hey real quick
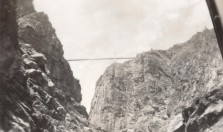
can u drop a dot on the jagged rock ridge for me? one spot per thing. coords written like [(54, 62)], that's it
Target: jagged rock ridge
[(38, 92), (153, 92)]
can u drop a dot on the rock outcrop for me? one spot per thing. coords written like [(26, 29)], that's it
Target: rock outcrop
[(172, 90), (38, 92)]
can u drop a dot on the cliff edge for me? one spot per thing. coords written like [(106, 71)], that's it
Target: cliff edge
[(38, 90), (178, 90)]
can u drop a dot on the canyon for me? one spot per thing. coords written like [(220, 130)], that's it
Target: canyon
[(174, 90)]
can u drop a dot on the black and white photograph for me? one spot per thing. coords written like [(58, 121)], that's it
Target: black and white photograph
[(111, 65)]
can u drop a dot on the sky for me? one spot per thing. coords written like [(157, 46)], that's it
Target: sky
[(119, 28)]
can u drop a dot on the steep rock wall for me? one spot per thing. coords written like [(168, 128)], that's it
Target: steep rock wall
[(152, 90), (38, 92)]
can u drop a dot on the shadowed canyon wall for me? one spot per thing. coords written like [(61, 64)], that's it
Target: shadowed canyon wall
[(38, 92)]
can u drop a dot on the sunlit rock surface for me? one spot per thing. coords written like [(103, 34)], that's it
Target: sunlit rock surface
[(153, 92)]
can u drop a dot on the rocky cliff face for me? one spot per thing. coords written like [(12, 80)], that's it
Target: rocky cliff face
[(38, 92), (178, 89)]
